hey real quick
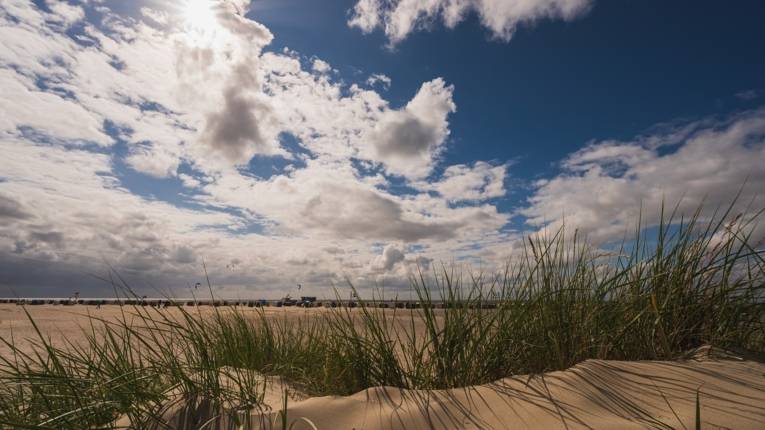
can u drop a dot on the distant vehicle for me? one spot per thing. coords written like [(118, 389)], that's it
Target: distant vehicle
[(307, 301), (287, 301)]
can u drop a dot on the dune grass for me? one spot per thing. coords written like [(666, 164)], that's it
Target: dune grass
[(560, 302)]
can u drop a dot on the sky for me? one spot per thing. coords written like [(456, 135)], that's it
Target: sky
[(278, 143)]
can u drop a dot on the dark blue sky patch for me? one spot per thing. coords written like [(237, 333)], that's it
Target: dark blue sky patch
[(267, 166), (78, 33), (49, 85), (118, 133), (398, 186), (151, 106), (40, 137)]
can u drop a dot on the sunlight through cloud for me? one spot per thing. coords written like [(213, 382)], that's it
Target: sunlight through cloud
[(199, 18)]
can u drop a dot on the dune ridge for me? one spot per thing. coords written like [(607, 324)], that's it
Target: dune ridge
[(594, 394)]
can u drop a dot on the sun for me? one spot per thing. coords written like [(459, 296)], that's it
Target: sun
[(199, 16)]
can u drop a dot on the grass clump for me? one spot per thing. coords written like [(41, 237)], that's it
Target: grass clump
[(561, 302)]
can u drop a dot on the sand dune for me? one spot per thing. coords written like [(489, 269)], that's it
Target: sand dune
[(592, 394), (595, 394)]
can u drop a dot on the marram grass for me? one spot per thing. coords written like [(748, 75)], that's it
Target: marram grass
[(559, 303)]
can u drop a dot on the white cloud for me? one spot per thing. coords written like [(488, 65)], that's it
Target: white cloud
[(407, 141), (204, 104), (158, 16), (339, 123), (391, 255), (68, 13), (604, 184), (379, 78), (189, 181), (399, 18), (471, 183), (153, 160), (320, 66), (366, 15), (329, 200), (24, 106)]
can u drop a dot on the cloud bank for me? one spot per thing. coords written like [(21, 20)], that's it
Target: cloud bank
[(140, 141), (702, 163)]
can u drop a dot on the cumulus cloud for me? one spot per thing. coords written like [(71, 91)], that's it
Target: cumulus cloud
[(349, 212), (83, 216), (480, 181), (408, 140), (337, 122), (366, 15), (146, 92), (241, 126), (235, 130), (604, 184), (331, 201), (391, 255), (399, 18), (320, 66)]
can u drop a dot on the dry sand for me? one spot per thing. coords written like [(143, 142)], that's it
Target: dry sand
[(66, 323), (593, 394)]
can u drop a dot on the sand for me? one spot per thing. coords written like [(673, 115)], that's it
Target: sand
[(61, 324), (594, 394)]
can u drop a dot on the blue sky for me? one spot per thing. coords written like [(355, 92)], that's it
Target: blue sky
[(613, 73), (286, 142)]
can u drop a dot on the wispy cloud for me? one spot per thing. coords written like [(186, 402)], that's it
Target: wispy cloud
[(748, 94), (399, 18)]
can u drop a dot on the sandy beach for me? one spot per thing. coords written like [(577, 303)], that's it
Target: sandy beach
[(61, 324), (592, 394)]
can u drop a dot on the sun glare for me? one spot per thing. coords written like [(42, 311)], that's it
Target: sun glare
[(199, 15)]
